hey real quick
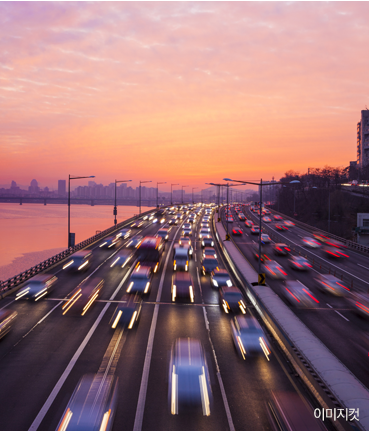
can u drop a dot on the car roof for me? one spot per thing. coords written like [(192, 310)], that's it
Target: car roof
[(182, 277), (230, 289)]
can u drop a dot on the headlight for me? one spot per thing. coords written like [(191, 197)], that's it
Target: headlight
[(215, 283), (229, 283)]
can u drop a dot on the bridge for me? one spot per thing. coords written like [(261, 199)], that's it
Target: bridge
[(46, 353)]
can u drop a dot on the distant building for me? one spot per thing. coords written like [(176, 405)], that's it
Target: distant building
[(363, 140), (62, 188), (33, 188)]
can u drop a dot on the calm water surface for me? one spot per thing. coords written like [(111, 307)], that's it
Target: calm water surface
[(31, 233)]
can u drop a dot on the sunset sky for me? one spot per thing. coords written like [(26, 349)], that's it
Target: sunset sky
[(183, 92)]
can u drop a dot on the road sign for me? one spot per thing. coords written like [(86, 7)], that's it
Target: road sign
[(261, 278)]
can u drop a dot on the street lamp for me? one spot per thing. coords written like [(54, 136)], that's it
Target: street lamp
[(182, 191), (115, 199), (157, 193), (171, 192), (192, 194), (148, 181), (69, 233), (261, 184)]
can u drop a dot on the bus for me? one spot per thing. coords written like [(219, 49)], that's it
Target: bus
[(150, 252)]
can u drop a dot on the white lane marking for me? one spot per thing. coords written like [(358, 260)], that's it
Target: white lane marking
[(341, 269), (195, 258), (146, 369), (206, 319), (40, 416), (342, 316), (329, 306), (7, 304), (363, 266), (198, 280)]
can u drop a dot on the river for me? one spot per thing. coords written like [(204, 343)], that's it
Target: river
[(31, 233)]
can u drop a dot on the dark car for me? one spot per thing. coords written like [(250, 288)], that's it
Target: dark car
[(281, 249), (248, 337), (249, 223), (37, 287), (110, 241), (140, 279), (332, 285), (220, 277), (84, 296), (181, 256), (135, 241), (189, 386), (209, 251), (255, 230), (277, 217), (80, 261), (124, 233), (237, 231), (208, 264), (299, 295), (163, 233), (334, 252), (299, 263), (93, 404), (127, 312), (122, 258), (263, 257), (207, 241), (182, 287), (231, 299)]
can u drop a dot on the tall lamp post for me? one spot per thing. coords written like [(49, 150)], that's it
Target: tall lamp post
[(182, 191), (192, 194), (294, 197), (141, 182), (171, 192), (261, 184), (115, 199), (157, 193), (69, 233)]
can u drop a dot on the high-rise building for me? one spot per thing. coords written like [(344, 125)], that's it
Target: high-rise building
[(62, 188), (33, 188), (363, 140)]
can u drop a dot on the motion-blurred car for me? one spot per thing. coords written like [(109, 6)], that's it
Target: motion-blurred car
[(209, 251), (135, 241), (110, 242), (263, 257), (249, 223), (274, 270), (277, 217), (137, 224), (189, 382), (332, 285), (181, 256), (208, 264), (124, 233), (163, 233), (311, 242), (281, 249), (241, 217), (182, 287), (127, 312), (299, 295), (229, 219), (334, 251), (288, 223), (204, 232), (265, 239), (186, 232), (7, 319), (205, 225), (79, 261), (360, 303), (186, 226), (173, 222), (255, 230), (248, 337), (37, 287), (231, 299), (266, 219), (237, 231), (220, 277), (140, 279), (122, 258), (84, 296), (207, 241), (299, 263), (281, 227), (92, 405)]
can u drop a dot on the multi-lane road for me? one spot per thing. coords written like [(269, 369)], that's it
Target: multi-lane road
[(46, 353), (333, 321)]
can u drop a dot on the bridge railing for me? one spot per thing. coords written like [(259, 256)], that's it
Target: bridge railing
[(27, 274), (350, 244)]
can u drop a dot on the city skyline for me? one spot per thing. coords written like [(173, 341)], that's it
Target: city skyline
[(156, 92)]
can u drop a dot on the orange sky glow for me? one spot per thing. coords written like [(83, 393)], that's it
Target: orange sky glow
[(182, 92)]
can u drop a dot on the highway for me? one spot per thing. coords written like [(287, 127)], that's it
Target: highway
[(46, 353), (333, 321)]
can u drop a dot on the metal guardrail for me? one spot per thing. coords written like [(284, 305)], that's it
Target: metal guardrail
[(22, 277), (350, 244)]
